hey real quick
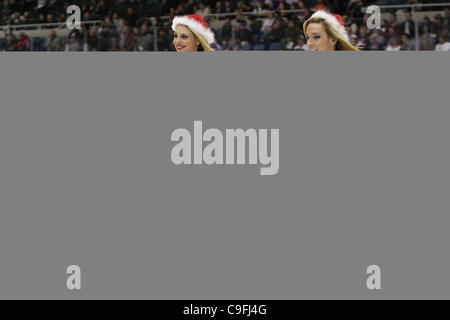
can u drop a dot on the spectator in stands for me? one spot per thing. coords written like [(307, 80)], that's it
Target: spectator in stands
[(144, 39), (394, 45), (292, 31), (118, 23), (244, 35), (384, 27), (407, 44), (274, 36), (11, 42), (50, 18), (228, 9), (287, 43), (216, 46), (202, 9), (379, 38), (363, 36), (355, 11), (87, 16), (23, 44), (267, 24), (218, 9), (281, 8), (101, 10), (354, 40), (373, 43), (255, 27), (446, 23), (243, 6), (258, 7), (301, 45), (131, 18), (425, 27), (240, 17), (231, 45), (407, 27), (108, 36), (390, 35), (52, 42), (42, 19), (93, 41), (227, 29), (443, 44), (392, 19), (425, 44), (320, 5), (93, 13), (125, 39), (74, 43), (62, 18), (179, 11), (437, 26), (189, 7), (62, 44)]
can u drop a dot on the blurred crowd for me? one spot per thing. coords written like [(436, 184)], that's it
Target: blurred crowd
[(144, 25)]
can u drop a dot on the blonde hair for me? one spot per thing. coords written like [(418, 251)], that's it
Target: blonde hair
[(205, 45), (341, 43)]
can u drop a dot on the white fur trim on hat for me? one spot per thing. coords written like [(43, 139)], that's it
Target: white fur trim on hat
[(194, 25), (334, 23)]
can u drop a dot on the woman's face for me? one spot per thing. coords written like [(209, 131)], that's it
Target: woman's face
[(184, 40), (317, 38)]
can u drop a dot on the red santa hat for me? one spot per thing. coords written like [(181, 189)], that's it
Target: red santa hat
[(335, 21), (195, 23)]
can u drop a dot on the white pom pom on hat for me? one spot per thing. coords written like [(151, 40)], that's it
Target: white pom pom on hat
[(334, 20), (196, 23)]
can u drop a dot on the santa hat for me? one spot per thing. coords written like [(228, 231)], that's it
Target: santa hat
[(334, 20), (196, 24)]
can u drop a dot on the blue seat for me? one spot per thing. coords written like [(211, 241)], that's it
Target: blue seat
[(247, 47), (256, 38), (218, 33), (258, 47), (275, 46), (38, 43)]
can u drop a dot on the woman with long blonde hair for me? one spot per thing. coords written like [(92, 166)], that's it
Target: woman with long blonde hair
[(191, 33), (326, 32)]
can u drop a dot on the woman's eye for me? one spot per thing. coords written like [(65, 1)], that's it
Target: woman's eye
[(316, 37)]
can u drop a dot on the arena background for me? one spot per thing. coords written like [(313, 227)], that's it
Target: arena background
[(144, 25)]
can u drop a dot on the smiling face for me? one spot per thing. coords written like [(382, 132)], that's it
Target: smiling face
[(184, 40), (317, 38)]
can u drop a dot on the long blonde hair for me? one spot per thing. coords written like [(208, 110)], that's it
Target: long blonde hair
[(205, 45), (341, 43)]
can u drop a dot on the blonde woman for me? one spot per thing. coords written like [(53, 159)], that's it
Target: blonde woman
[(191, 33), (326, 32)]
